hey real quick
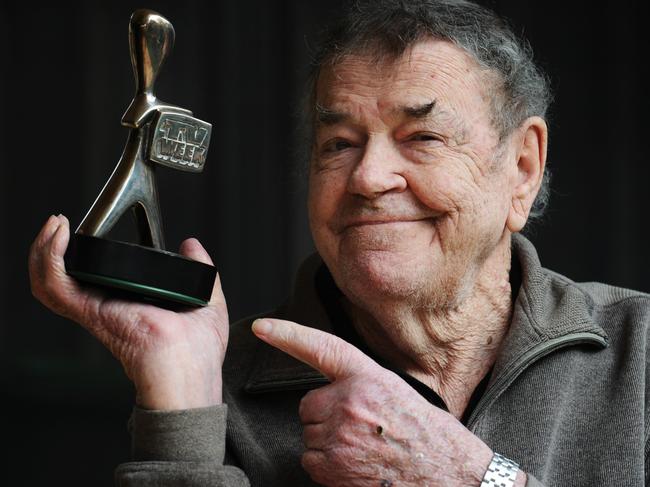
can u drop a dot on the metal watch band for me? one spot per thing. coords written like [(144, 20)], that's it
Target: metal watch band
[(501, 472)]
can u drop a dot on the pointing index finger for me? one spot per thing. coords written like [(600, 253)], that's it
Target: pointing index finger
[(327, 353)]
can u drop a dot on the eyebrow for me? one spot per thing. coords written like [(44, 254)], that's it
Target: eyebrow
[(418, 111), (455, 124), (327, 116)]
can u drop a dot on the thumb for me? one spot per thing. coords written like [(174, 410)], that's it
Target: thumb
[(327, 353), (192, 249)]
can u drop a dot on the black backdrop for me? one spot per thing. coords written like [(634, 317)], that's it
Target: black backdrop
[(65, 81)]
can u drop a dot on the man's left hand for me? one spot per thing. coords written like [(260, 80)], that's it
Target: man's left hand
[(369, 427)]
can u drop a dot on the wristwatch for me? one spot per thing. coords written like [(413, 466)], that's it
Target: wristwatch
[(500, 473)]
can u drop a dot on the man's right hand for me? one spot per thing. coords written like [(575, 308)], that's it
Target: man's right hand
[(173, 358)]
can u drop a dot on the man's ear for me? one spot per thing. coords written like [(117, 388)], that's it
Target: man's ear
[(530, 154)]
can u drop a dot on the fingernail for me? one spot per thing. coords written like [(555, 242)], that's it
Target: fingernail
[(262, 327)]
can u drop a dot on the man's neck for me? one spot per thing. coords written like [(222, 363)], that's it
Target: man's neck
[(449, 350)]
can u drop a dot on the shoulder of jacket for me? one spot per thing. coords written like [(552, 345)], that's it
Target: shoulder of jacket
[(601, 294)]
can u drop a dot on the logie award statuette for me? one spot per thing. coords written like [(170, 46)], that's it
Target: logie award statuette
[(160, 133)]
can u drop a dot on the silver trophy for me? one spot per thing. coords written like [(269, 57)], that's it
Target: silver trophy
[(160, 133)]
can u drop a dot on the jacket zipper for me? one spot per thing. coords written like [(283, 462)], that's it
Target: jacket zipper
[(525, 361)]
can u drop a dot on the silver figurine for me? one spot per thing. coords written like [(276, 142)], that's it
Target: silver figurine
[(160, 133)]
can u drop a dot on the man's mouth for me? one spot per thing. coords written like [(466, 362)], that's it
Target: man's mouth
[(359, 223), (375, 221)]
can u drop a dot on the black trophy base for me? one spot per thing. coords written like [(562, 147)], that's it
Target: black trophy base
[(150, 273)]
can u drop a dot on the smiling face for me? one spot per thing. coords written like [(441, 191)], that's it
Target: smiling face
[(410, 191)]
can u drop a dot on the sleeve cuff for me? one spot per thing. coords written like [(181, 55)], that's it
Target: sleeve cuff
[(190, 435)]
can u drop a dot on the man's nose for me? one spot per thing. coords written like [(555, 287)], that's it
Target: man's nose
[(378, 171)]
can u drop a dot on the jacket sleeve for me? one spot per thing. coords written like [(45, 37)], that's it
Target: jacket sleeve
[(171, 448)]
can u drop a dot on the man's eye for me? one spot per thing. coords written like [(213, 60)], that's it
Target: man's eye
[(425, 137), (337, 145)]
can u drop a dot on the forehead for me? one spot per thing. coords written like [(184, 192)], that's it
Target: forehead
[(430, 70)]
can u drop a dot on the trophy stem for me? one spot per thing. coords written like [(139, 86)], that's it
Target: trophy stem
[(132, 185)]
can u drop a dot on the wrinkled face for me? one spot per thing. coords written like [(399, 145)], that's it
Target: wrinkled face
[(408, 194)]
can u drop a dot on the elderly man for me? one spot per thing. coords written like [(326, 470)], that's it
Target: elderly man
[(433, 349)]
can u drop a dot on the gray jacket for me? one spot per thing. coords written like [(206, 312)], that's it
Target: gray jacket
[(566, 398)]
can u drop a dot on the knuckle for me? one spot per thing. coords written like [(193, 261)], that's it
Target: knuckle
[(350, 408), (340, 457), (331, 351), (312, 464), (338, 348), (306, 403), (343, 437), (320, 357)]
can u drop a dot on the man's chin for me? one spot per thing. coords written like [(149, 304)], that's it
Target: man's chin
[(381, 278), (371, 280)]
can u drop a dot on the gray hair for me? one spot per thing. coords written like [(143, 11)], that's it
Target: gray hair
[(387, 28)]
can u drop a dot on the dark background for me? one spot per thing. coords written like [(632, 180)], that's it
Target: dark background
[(65, 81)]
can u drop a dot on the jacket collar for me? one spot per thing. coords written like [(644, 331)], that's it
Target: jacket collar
[(276, 370), (548, 307)]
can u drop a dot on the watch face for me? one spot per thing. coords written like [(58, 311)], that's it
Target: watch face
[(180, 141)]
